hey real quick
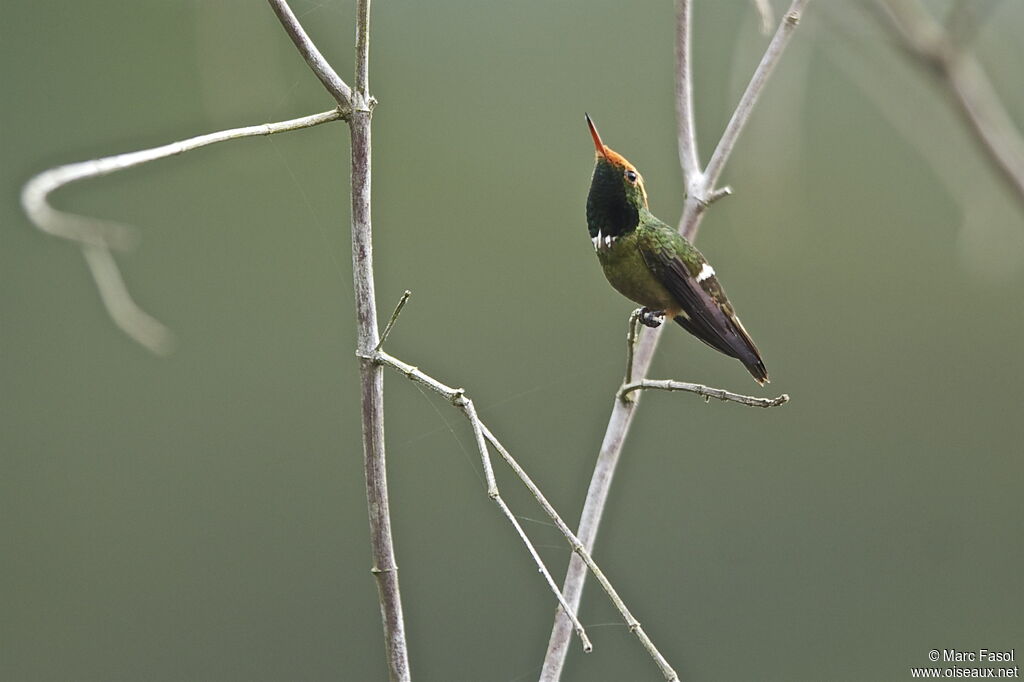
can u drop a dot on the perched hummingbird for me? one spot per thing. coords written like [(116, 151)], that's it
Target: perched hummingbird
[(650, 263)]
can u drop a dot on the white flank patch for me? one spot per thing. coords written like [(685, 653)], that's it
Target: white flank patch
[(596, 240), (705, 272), (608, 240)]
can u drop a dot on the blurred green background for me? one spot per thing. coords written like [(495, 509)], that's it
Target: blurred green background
[(202, 517)]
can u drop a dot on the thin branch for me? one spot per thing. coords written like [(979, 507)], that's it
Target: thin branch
[(959, 71), (103, 233), (764, 9), (581, 551), (363, 48), (139, 325), (458, 398), (632, 335), (468, 409), (688, 223), (338, 88), (687, 130), (97, 236), (700, 389), (700, 192), (385, 568)]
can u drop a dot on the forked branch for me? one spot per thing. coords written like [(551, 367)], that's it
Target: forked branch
[(484, 436)]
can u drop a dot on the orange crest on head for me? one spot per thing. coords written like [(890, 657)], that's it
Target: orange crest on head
[(608, 153), (616, 159)]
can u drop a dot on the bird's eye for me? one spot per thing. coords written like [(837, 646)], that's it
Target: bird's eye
[(631, 175)]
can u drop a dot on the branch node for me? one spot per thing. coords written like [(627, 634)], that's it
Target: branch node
[(377, 571), (373, 357), (363, 104)]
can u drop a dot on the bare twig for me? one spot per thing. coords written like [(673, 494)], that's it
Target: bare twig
[(468, 409), (632, 335), (764, 9), (701, 198), (457, 397), (394, 318), (688, 157), (338, 88), (97, 237), (102, 233), (925, 39), (582, 552), (702, 390), (700, 192)]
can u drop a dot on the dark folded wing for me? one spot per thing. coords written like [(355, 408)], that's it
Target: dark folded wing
[(707, 313)]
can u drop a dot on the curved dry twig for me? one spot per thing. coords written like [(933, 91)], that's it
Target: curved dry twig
[(338, 88), (97, 237)]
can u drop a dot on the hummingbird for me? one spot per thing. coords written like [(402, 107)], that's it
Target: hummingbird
[(650, 263)]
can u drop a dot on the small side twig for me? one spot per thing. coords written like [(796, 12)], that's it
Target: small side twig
[(394, 317), (700, 389)]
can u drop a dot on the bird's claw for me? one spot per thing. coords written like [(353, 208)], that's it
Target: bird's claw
[(651, 318)]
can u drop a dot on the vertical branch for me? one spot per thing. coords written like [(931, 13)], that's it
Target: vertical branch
[(688, 158), (384, 568), (701, 192), (363, 47)]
